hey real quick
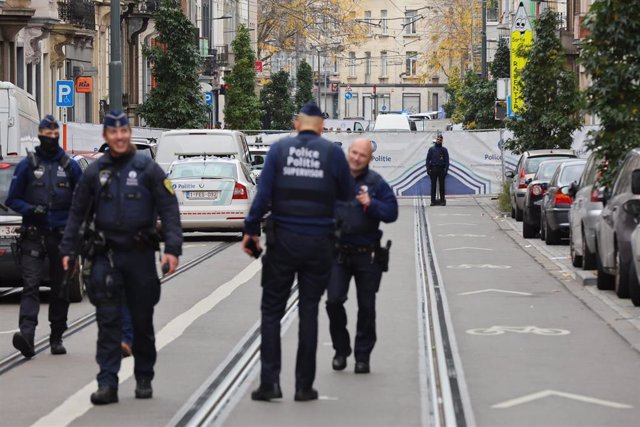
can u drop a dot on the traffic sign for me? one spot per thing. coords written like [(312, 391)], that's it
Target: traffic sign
[(208, 98), (335, 87), (348, 96), (348, 88), (521, 41), (258, 66), (64, 93), (383, 108)]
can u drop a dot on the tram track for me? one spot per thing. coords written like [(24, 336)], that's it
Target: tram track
[(16, 359), (11, 291)]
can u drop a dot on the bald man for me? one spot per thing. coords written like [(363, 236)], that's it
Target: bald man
[(359, 256)]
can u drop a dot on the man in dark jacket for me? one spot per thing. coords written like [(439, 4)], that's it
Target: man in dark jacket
[(41, 190), (437, 169)]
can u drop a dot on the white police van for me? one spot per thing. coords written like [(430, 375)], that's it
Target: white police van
[(19, 120)]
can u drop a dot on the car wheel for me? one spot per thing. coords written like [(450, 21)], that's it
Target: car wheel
[(552, 237), (634, 285), (604, 281), (76, 286), (576, 260), (588, 257), (513, 212), (519, 214), (529, 231), (621, 284)]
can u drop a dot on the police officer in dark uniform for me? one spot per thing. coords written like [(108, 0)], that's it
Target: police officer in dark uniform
[(437, 168), (127, 192), (360, 256), (41, 190), (303, 176)]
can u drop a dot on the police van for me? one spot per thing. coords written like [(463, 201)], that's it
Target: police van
[(214, 142), (19, 119)]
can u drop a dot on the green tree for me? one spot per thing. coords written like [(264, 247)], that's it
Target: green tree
[(277, 108), (453, 89), (176, 101), (304, 76), (242, 106), (552, 101), (478, 107), (501, 65), (611, 56)]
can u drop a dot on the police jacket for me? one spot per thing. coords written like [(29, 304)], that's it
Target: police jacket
[(46, 180), (127, 194), (302, 178), (437, 156), (359, 225)]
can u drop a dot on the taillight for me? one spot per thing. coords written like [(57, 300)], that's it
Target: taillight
[(562, 199), (240, 191), (595, 195), (521, 181), (2, 252), (5, 165), (537, 190)]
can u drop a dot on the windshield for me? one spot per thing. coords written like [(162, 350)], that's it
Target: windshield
[(204, 170), (570, 173), (6, 173), (257, 156), (531, 166), (546, 171)]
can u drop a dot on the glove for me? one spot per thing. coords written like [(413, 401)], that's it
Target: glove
[(429, 172), (39, 210)]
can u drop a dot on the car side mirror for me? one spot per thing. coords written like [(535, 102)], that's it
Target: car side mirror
[(573, 189), (632, 207), (529, 181), (510, 174), (635, 181), (603, 195), (258, 161)]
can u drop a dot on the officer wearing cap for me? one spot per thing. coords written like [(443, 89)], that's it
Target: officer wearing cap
[(302, 178), (41, 190), (437, 164), (359, 256), (127, 191)]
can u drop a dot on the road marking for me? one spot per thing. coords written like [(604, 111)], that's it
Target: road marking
[(500, 330), (78, 404), (470, 224), (327, 398), (452, 214), (470, 248), (496, 290), (193, 246), (12, 331), (462, 235), (547, 393), (470, 266)]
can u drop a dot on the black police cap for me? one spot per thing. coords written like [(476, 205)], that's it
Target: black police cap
[(115, 119), (311, 109), (49, 122)]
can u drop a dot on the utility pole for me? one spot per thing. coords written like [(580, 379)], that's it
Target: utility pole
[(485, 73), (115, 65), (318, 78)]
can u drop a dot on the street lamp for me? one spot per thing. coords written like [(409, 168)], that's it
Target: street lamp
[(115, 65)]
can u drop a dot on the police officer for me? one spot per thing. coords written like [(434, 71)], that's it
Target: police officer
[(360, 256), (301, 180), (127, 192), (41, 190), (437, 168)]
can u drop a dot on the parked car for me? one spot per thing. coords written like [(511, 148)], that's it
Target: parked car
[(556, 203), (584, 215), (259, 156), (525, 170), (533, 197), (10, 223), (634, 268), (214, 193), (615, 228)]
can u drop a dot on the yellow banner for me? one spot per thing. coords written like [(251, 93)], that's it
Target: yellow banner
[(520, 44)]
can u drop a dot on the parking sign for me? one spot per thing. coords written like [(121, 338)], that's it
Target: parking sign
[(208, 98), (64, 93)]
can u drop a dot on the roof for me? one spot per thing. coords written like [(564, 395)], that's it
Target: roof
[(200, 159), (551, 151), (201, 132)]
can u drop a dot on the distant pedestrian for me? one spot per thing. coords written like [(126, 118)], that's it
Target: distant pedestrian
[(437, 168), (302, 178)]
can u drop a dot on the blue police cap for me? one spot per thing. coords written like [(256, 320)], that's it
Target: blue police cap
[(48, 122), (311, 109), (115, 119)]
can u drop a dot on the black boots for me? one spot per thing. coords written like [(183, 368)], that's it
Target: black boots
[(339, 362), (105, 395), (304, 395), (362, 368), (143, 389), (266, 392), (24, 343), (56, 346)]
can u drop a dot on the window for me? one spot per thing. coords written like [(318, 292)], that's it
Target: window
[(410, 18), (367, 21), (411, 103), (352, 64), (383, 63), (384, 22), (367, 62), (412, 58)]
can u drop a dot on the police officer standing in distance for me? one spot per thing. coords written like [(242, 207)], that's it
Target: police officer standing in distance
[(359, 256), (41, 190), (437, 168), (302, 178), (127, 192)]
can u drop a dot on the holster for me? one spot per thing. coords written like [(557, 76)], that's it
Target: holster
[(147, 239), (270, 231), (382, 256)]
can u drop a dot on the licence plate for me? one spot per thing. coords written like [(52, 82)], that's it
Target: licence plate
[(9, 230), (202, 195)]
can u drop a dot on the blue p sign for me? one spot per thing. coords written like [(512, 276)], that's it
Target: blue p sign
[(208, 98), (64, 93)]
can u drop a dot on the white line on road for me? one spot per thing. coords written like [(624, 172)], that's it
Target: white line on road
[(470, 266), (12, 331), (470, 224), (547, 393), (469, 248), (452, 214), (496, 290), (500, 330), (462, 235), (78, 404)]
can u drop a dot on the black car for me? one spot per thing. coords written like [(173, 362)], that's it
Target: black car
[(10, 222), (556, 203), (536, 188)]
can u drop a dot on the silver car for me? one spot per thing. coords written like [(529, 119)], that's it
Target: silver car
[(584, 216), (525, 171), (634, 279)]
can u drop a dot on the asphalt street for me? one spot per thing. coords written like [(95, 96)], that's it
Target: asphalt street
[(476, 326)]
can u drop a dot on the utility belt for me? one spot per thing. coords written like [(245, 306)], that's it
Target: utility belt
[(379, 254), (33, 232), (142, 240)]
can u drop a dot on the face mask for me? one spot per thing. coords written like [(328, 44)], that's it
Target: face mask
[(48, 144)]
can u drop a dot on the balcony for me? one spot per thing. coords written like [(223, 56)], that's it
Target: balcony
[(81, 13), (148, 7), (221, 53)]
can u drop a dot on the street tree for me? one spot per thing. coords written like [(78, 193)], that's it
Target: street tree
[(610, 55), (452, 108), (479, 97), (552, 102), (242, 106), (501, 65), (304, 78), (176, 100), (277, 107)]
